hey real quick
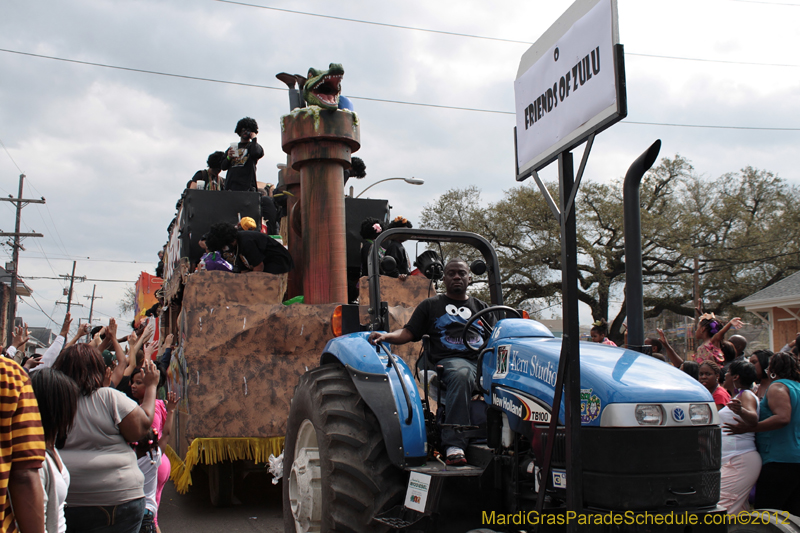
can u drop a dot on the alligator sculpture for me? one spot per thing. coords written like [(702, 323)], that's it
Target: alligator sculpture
[(320, 88), (323, 87)]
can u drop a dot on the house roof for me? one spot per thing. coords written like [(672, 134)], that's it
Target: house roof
[(5, 279), (783, 292), (44, 336)]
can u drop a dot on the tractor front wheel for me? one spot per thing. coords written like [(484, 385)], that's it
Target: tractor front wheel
[(337, 474)]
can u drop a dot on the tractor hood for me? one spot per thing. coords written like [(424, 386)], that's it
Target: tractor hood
[(523, 365)]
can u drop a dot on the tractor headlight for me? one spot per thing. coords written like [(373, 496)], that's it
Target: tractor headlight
[(700, 414), (649, 415)]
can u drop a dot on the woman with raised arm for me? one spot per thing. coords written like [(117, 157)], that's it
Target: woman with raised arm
[(710, 333), (106, 490)]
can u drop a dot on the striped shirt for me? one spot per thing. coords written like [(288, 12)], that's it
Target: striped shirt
[(21, 435)]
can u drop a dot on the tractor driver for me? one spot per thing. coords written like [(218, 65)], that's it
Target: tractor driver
[(443, 318)]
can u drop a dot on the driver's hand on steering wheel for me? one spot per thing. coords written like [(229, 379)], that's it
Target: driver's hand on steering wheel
[(376, 336)]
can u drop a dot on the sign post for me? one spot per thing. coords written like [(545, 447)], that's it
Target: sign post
[(570, 86)]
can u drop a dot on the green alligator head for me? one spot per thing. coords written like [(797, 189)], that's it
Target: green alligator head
[(323, 87)]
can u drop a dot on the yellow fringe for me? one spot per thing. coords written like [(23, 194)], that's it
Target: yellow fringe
[(215, 450)]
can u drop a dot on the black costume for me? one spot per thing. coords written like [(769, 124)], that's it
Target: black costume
[(391, 248), (270, 214), (241, 174), (255, 248), (398, 252)]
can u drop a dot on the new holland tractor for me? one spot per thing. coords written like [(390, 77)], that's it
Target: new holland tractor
[(361, 436)]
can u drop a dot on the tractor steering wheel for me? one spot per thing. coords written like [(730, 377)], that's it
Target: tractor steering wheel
[(478, 315)]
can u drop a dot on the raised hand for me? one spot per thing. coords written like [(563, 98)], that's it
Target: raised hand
[(21, 336), (151, 373), (66, 325), (107, 377), (172, 401), (112, 328)]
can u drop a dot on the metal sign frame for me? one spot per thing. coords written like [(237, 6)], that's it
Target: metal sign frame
[(569, 374)]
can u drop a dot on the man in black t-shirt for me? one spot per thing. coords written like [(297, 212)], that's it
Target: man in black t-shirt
[(241, 163), (443, 318)]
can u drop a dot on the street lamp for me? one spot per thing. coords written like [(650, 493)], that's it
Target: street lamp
[(412, 181)]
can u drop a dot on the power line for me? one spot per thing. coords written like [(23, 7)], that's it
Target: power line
[(372, 23), (419, 104), (40, 308), (84, 279), (212, 80), (50, 215), (770, 3), (485, 37), (708, 126), (78, 258), (11, 158), (714, 60), (143, 71)]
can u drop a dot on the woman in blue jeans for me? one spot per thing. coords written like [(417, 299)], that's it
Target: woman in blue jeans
[(778, 437), (106, 488)]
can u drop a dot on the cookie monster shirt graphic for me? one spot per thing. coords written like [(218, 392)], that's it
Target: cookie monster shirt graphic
[(443, 319)]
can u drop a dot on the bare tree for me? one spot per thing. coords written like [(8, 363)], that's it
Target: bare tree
[(128, 302)]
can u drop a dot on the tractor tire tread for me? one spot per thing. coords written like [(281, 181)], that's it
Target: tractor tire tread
[(358, 479)]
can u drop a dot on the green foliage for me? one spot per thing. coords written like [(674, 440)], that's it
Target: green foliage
[(740, 227)]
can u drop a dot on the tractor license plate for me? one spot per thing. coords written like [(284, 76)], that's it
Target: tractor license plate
[(559, 479), (417, 491)]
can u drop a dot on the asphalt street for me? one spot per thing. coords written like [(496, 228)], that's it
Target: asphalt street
[(257, 507)]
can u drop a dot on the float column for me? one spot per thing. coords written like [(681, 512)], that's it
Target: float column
[(319, 144), (291, 178)]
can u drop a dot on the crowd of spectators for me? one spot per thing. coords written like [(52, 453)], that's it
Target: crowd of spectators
[(85, 432), (758, 399)]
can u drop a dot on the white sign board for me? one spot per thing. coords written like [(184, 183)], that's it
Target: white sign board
[(569, 84), (417, 491)]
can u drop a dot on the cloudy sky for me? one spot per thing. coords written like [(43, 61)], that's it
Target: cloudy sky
[(111, 149)]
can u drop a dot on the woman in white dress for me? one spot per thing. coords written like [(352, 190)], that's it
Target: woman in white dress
[(741, 462), (57, 396)]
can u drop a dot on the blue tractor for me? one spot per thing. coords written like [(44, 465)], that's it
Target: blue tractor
[(360, 440)]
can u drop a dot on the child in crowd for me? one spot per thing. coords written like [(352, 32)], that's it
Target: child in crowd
[(599, 332)]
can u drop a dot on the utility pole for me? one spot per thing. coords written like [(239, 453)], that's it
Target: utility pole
[(20, 203), (91, 310), (71, 283), (71, 278), (93, 298)]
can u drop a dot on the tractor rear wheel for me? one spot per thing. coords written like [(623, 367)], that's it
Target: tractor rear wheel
[(337, 473)]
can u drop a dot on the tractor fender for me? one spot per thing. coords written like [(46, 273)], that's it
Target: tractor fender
[(382, 389)]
